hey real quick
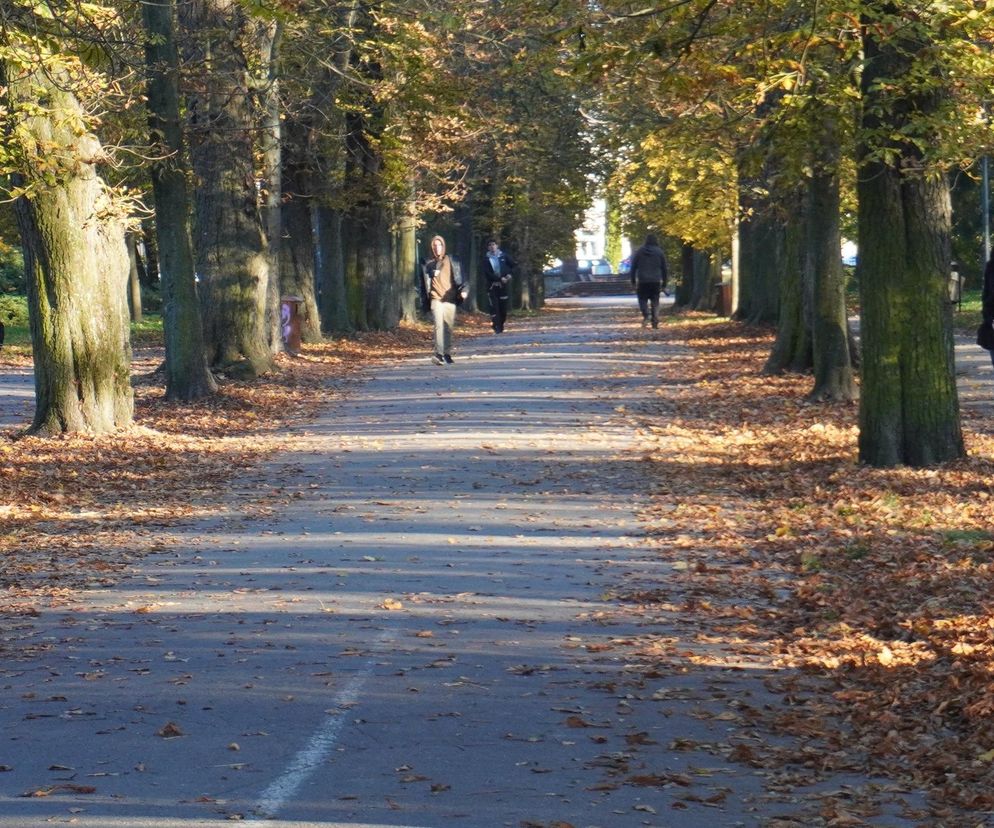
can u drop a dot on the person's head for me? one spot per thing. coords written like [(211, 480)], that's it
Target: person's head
[(437, 246), (491, 245), (651, 240)]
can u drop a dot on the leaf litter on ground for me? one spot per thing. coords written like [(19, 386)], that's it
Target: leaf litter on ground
[(869, 591)]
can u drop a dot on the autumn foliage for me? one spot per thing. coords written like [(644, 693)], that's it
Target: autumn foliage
[(873, 585)]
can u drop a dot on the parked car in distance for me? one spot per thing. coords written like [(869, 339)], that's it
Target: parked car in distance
[(588, 268), (625, 265), (601, 267)]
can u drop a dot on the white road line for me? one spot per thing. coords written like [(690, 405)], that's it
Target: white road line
[(307, 760)]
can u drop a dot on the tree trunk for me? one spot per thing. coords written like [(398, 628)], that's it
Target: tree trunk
[(297, 269), (187, 375), (684, 288), (151, 245), (909, 409), (405, 263), (834, 379), (706, 274), (134, 283), (376, 270), (231, 253), (330, 260), (298, 265), (792, 348), (75, 261), (761, 247), (271, 146)]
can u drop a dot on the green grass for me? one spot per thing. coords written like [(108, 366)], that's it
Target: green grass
[(144, 334), (968, 316), (148, 332)]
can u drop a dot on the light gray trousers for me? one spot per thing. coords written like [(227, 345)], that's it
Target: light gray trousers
[(444, 314)]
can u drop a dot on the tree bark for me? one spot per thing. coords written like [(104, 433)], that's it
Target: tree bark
[(187, 375), (298, 254), (406, 262), (232, 257), (909, 409), (706, 274), (75, 261), (684, 288), (134, 283), (271, 146), (834, 378), (791, 350), (761, 239), (330, 260)]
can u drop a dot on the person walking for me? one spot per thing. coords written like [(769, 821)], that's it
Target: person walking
[(987, 305), (442, 288), (497, 267), (649, 275)]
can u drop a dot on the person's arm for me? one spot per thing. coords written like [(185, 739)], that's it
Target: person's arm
[(488, 270), (633, 269)]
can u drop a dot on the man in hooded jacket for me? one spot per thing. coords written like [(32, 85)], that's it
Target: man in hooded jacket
[(442, 288), (649, 275)]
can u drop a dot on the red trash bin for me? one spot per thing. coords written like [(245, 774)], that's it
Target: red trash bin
[(290, 319)]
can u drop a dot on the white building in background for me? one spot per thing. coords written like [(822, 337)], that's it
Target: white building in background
[(591, 237)]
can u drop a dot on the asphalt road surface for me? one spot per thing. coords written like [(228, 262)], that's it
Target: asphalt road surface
[(419, 631)]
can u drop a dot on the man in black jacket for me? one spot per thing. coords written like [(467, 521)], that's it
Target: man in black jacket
[(497, 267), (649, 275)]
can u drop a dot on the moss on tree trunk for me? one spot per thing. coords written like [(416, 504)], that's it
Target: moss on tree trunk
[(232, 257), (909, 408), (76, 262)]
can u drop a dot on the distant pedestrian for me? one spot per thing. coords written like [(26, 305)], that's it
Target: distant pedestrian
[(442, 288), (987, 304), (649, 275), (497, 267)]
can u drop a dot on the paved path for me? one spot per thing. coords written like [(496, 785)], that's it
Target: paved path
[(419, 634), (17, 396)]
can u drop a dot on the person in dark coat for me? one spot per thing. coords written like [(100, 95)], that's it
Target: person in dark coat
[(987, 296), (442, 288), (497, 267), (649, 275)]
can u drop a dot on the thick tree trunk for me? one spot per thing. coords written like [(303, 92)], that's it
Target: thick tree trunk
[(792, 348), (329, 253), (232, 257), (761, 239), (909, 409), (376, 270), (271, 146), (297, 269), (298, 256), (355, 293), (75, 260), (187, 375), (706, 274), (834, 378), (405, 247)]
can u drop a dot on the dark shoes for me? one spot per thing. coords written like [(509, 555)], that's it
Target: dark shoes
[(438, 359), (655, 323), (448, 358)]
